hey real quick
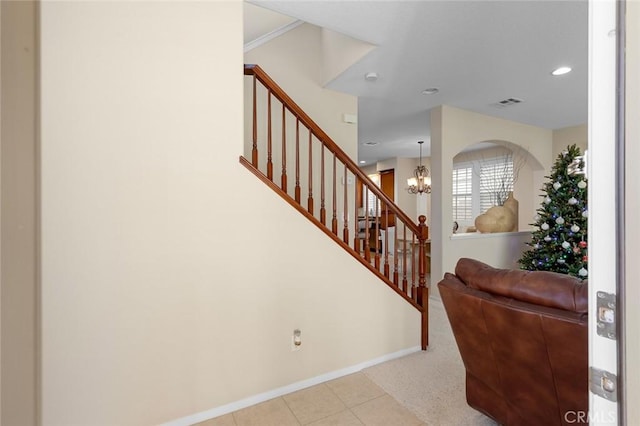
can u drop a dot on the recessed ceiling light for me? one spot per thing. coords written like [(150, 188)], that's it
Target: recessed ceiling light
[(362, 162), (371, 76), (370, 143), (430, 91), (561, 71)]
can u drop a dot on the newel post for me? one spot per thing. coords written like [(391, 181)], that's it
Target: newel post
[(422, 296)]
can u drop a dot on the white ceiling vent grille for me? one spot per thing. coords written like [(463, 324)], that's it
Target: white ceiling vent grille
[(507, 102)]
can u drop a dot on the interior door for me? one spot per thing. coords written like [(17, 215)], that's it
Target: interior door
[(387, 184), (604, 222)]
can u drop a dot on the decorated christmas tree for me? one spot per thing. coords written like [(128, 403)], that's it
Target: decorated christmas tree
[(559, 243)]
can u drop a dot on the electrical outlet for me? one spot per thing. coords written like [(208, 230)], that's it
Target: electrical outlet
[(296, 340)]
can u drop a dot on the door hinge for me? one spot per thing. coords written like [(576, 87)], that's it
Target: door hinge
[(607, 314), (604, 384)]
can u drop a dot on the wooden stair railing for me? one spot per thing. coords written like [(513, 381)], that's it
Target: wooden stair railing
[(320, 162)]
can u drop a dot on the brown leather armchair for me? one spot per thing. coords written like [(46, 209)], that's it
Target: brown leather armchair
[(522, 336)]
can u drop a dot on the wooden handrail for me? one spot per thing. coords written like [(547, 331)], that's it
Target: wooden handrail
[(275, 90), (367, 227)]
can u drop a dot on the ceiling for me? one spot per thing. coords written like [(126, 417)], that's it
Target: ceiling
[(476, 53)]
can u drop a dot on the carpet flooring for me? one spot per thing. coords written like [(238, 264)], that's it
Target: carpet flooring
[(431, 383)]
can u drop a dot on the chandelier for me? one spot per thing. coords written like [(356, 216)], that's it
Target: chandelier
[(420, 182)]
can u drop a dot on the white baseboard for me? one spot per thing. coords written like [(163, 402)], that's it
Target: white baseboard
[(265, 396)]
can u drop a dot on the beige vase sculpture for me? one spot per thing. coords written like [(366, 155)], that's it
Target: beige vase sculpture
[(496, 219), (512, 204)]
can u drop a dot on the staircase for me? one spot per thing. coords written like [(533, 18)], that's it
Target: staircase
[(322, 182)]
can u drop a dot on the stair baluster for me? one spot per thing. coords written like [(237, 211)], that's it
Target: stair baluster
[(297, 189), (323, 210), (385, 215), (283, 178), (310, 197)]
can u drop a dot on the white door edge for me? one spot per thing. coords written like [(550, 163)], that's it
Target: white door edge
[(602, 192)]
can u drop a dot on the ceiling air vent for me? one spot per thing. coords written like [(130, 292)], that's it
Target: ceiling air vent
[(507, 102)]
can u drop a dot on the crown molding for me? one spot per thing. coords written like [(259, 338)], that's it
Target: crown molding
[(271, 35)]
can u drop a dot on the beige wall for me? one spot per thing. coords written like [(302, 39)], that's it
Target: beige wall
[(171, 277), (632, 199), (294, 61), (339, 52), (19, 231), (569, 136), (452, 130), (501, 250), (369, 170)]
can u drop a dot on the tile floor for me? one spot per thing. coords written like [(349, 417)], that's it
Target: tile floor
[(352, 400)]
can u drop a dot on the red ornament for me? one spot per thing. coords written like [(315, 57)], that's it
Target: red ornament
[(582, 244), (585, 258)]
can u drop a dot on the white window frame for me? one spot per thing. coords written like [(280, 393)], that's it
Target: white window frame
[(463, 221), (372, 200), (476, 190)]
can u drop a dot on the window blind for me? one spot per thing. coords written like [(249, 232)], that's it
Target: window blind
[(462, 194)]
